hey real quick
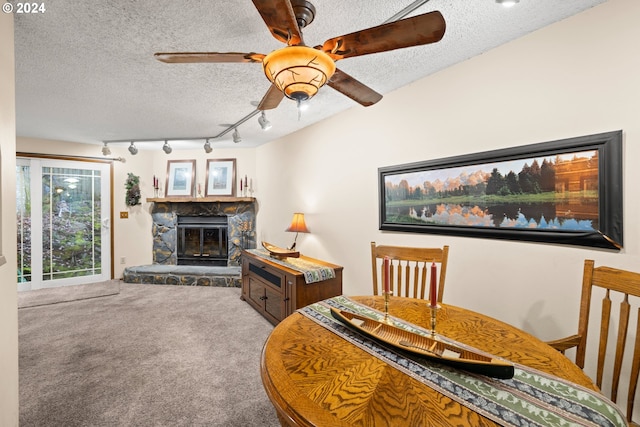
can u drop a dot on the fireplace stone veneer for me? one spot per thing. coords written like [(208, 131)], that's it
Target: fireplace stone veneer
[(241, 218)]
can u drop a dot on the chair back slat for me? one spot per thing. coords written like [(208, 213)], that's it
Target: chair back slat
[(416, 276), (604, 337), (623, 325), (424, 280), (407, 278), (392, 274), (409, 269), (635, 371)]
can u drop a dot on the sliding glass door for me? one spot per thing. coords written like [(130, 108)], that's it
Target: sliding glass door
[(63, 210)]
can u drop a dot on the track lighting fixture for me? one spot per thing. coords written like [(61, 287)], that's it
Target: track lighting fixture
[(166, 147), (236, 136), (264, 123), (106, 150), (207, 147)]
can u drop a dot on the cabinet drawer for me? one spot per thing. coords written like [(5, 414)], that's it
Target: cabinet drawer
[(271, 276)]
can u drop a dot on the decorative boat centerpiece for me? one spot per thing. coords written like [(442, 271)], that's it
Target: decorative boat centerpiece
[(278, 252), (419, 347)]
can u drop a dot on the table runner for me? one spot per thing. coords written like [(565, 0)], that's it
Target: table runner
[(312, 272), (531, 398)]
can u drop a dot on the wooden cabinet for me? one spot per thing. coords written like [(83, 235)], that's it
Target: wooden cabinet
[(276, 290)]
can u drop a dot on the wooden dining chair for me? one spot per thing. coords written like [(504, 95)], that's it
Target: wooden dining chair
[(619, 283), (409, 269)]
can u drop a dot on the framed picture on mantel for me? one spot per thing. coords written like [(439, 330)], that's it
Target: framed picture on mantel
[(221, 177), (181, 178)]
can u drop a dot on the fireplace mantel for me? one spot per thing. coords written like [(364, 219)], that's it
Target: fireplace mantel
[(211, 199)]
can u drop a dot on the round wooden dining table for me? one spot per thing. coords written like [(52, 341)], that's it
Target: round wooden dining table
[(314, 377)]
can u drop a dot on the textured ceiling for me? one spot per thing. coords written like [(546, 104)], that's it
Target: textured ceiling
[(85, 70)]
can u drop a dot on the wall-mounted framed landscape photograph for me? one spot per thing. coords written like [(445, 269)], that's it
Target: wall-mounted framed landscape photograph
[(221, 177), (565, 192), (181, 178)]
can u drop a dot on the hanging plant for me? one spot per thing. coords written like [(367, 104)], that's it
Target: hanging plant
[(132, 184)]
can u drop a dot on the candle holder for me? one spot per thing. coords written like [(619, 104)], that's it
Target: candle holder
[(434, 310), (386, 308), (156, 192), (245, 229)]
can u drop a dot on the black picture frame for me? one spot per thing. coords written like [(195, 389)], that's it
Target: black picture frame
[(587, 207)]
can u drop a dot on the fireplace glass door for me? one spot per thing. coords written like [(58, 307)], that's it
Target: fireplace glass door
[(202, 241)]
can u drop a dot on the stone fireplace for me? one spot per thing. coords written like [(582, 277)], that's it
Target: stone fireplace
[(202, 231)]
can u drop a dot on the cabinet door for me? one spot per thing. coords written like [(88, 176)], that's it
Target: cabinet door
[(255, 292), (274, 304)]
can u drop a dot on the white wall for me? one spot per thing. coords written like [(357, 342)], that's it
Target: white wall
[(580, 76), (132, 236), (8, 278)]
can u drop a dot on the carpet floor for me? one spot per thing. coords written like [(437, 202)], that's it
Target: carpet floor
[(152, 355)]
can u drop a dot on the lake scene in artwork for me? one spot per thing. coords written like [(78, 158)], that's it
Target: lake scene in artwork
[(552, 192)]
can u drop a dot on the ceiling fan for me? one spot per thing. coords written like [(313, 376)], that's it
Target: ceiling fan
[(298, 71)]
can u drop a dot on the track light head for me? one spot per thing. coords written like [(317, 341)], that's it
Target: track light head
[(106, 150), (166, 147), (236, 136), (264, 123), (207, 147), (133, 149)]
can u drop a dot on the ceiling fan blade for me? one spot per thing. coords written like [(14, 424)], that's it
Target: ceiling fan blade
[(280, 19), (415, 31), (271, 99), (195, 57), (347, 85)]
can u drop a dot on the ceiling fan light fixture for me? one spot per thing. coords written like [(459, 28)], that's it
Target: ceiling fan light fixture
[(106, 150), (133, 149), (298, 71), (264, 123)]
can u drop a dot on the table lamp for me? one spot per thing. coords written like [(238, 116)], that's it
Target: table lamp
[(297, 225)]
